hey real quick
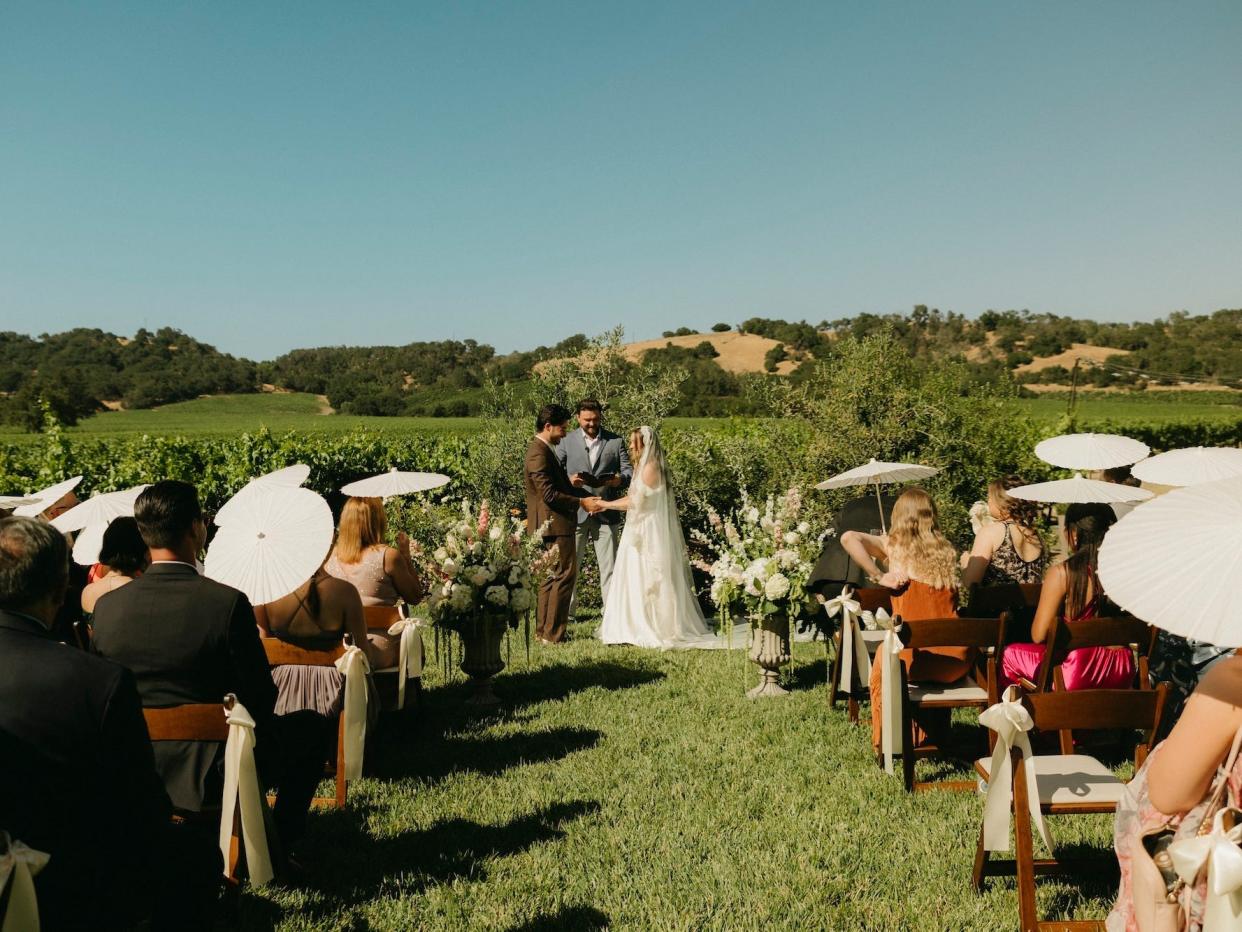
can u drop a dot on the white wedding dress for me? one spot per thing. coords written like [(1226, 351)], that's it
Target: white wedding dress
[(651, 600)]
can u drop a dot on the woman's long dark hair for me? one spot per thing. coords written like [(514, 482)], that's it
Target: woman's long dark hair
[(1089, 523), (123, 548)]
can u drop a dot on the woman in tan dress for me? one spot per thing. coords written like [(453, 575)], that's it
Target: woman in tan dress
[(380, 573), (922, 572)]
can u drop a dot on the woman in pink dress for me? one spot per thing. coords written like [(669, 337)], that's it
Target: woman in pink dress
[(1072, 591)]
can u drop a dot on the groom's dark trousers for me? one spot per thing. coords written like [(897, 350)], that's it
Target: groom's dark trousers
[(552, 511)]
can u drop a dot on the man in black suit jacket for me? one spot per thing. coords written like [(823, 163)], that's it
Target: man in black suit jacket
[(835, 569), (189, 639), (77, 778)]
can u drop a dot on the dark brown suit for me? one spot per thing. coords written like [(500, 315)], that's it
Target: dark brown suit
[(552, 499)]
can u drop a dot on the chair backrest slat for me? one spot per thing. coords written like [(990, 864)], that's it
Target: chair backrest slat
[(1097, 709), (1120, 631), (381, 616), (953, 632), (197, 722), (991, 601), (284, 652), (874, 598)]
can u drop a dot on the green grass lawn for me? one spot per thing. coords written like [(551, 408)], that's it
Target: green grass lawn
[(1139, 407), (635, 789)]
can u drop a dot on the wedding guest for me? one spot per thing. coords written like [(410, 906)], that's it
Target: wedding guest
[(1119, 475), (1007, 550), (595, 451), (122, 559), (381, 574), (77, 779), (1072, 592), (835, 568), (189, 639), (315, 615), (922, 571), (1171, 792)]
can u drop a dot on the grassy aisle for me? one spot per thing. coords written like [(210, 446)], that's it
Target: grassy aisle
[(632, 789)]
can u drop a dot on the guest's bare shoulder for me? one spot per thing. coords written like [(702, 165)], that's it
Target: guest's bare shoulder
[(1224, 682)]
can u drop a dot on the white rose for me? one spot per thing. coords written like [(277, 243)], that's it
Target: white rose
[(777, 587), (496, 532), (497, 595), (450, 568), (792, 537), (478, 575), (804, 529), (520, 600)]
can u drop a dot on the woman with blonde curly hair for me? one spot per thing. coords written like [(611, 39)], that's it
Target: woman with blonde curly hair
[(922, 571)]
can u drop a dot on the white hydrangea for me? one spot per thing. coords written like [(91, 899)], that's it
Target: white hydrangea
[(496, 532), (792, 538), (804, 529), (520, 600), (777, 587), (450, 567), (440, 555), (463, 597), (497, 595), (479, 575)]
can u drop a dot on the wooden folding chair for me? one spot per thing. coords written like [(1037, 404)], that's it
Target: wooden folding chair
[(1066, 784), (979, 691), (1122, 631), (82, 633), (283, 652), (379, 619), (200, 722), (871, 600)]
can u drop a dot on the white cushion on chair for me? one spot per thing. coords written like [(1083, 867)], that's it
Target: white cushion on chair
[(1070, 778), (964, 690)]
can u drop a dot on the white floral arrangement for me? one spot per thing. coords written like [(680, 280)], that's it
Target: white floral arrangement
[(485, 566), (763, 557)]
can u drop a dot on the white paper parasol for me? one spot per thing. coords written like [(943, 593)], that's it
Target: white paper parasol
[(16, 501), (1191, 466), (1080, 489), (1175, 562), (98, 510), (288, 478), (395, 482), (45, 498), (877, 474), (1091, 451), (272, 544), (88, 543)]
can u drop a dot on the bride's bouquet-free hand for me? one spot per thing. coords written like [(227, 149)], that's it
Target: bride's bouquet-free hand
[(763, 557), (486, 567)]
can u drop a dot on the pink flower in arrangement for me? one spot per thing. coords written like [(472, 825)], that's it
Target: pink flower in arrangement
[(713, 518), (701, 565), (485, 517)]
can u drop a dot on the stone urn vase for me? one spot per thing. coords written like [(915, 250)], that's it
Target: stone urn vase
[(769, 650), (481, 637)]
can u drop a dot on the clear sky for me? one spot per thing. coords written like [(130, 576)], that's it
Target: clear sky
[(267, 175)]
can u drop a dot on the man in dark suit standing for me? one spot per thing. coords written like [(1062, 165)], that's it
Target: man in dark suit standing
[(189, 639), (593, 451), (552, 505), (77, 777)]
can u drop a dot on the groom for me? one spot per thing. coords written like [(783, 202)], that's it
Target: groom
[(593, 451), (552, 500)]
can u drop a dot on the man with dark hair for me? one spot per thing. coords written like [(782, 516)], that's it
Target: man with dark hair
[(77, 777), (597, 460), (552, 505), (189, 639)]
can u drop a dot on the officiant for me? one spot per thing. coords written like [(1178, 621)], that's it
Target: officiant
[(596, 460)]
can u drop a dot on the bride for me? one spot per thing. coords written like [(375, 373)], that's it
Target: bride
[(651, 601)]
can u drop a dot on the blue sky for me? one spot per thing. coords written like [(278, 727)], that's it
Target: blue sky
[(271, 175)]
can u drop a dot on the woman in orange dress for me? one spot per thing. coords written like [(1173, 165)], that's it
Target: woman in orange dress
[(922, 572)]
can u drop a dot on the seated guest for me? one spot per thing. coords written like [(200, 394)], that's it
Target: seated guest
[(380, 573), (1171, 792), (1007, 550), (77, 777), (922, 571), (1073, 593), (315, 615), (189, 639), (122, 558), (835, 568)]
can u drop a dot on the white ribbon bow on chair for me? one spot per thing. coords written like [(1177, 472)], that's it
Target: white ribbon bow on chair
[(241, 787), (1220, 852), (354, 667), (22, 863), (889, 656), (853, 650), (1011, 722), (410, 659), (879, 620)]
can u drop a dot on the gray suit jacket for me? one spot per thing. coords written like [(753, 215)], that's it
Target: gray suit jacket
[(613, 458)]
